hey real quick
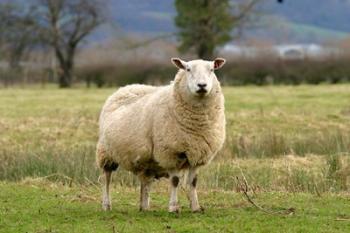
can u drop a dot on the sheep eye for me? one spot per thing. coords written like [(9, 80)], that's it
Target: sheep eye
[(188, 69)]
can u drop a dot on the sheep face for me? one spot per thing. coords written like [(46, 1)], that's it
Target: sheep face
[(200, 76)]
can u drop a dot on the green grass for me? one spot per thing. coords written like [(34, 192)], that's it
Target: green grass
[(44, 207), (291, 143), (52, 131), (301, 120)]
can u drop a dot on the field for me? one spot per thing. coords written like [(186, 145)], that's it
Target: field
[(43, 207), (291, 144)]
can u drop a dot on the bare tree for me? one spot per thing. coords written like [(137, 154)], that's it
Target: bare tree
[(18, 36), (64, 24), (18, 33)]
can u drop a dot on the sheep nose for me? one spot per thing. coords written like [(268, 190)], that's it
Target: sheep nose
[(202, 85)]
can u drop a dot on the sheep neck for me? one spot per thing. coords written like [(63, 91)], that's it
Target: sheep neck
[(194, 114)]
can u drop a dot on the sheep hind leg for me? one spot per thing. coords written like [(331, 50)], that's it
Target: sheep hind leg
[(106, 201), (174, 183)]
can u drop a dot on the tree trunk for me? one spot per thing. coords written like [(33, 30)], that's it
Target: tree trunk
[(88, 81), (66, 68), (205, 52), (65, 78)]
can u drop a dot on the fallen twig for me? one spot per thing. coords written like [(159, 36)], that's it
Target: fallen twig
[(92, 183), (342, 219), (54, 175), (244, 188)]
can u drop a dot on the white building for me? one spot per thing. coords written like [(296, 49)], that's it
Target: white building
[(287, 51)]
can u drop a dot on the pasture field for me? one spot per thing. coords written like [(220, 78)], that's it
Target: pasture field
[(291, 144), (294, 138), (36, 206)]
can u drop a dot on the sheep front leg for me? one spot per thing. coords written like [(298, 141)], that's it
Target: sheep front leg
[(192, 182), (174, 183), (144, 195)]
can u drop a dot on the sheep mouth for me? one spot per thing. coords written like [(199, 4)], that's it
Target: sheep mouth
[(202, 92)]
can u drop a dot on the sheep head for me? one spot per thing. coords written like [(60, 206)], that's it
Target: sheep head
[(199, 74)]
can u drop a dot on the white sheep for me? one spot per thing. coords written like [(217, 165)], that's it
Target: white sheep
[(162, 131)]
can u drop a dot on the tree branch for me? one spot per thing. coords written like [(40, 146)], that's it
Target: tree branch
[(245, 10)]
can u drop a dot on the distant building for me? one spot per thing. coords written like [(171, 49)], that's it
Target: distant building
[(293, 54), (299, 51), (286, 52)]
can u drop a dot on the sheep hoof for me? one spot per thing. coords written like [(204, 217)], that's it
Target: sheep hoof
[(174, 209), (142, 209), (106, 206), (198, 210)]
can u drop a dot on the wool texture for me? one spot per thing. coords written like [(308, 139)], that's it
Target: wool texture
[(152, 130)]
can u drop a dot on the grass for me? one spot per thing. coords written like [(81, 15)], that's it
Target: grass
[(37, 206), (299, 129), (272, 121), (291, 143)]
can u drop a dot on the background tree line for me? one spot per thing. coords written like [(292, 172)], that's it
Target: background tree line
[(61, 25), (58, 25)]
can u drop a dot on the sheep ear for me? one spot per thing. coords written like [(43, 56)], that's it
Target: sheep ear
[(218, 63), (179, 63)]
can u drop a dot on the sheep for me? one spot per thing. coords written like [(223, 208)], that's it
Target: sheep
[(166, 131)]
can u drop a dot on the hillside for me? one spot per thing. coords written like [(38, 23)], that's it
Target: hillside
[(292, 21), (297, 20)]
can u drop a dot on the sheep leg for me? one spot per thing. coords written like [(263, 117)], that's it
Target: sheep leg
[(145, 189), (106, 202), (173, 203), (192, 182)]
